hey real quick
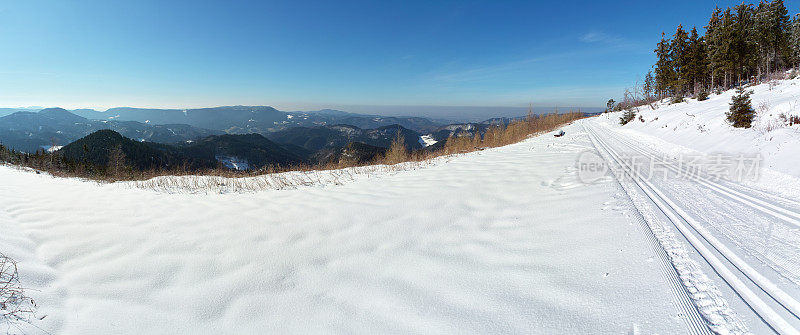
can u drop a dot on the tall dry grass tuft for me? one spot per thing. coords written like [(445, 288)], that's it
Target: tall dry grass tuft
[(515, 131), (397, 152)]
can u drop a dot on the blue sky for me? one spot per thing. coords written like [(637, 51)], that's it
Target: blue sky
[(312, 54)]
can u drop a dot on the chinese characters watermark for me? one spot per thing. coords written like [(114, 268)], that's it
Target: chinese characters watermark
[(714, 167)]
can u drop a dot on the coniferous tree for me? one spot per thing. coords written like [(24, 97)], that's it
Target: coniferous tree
[(649, 85), (771, 31), (665, 72), (698, 61), (714, 49), (778, 34), (743, 43), (794, 40), (760, 34), (727, 49), (740, 43), (680, 55), (741, 113)]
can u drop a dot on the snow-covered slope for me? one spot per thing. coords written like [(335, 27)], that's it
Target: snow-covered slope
[(738, 214), (504, 240), (701, 126)]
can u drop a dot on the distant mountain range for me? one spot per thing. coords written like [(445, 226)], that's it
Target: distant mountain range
[(235, 136), (31, 131), (254, 119), (317, 138)]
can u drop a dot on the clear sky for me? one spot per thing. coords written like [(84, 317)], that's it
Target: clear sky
[(296, 55)]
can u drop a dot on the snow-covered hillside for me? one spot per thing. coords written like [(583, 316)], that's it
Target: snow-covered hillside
[(505, 240), (701, 125)]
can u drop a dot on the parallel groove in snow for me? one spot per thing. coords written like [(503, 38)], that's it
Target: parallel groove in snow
[(786, 300), (677, 215), (758, 204)]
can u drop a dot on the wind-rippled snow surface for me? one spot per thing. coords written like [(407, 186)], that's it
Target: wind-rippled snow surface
[(504, 240)]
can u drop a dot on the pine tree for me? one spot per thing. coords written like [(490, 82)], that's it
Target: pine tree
[(698, 61), (780, 29), (714, 46), (610, 105), (761, 34), (727, 50), (665, 72), (743, 44), (649, 85), (680, 55), (771, 29), (741, 112), (627, 117), (794, 40)]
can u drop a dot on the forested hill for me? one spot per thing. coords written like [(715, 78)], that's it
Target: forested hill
[(740, 44)]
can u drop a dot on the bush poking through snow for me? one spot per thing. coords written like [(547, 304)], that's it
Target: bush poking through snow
[(789, 120), (741, 112), (15, 306), (627, 117), (702, 95)]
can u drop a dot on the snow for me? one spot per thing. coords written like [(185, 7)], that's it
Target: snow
[(504, 240), (234, 163), (700, 126), (427, 140), (745, 232), (52, 148)]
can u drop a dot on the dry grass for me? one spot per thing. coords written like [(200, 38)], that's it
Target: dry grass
[(397, 152)]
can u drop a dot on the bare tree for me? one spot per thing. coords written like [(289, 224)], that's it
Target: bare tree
[(116, 162)]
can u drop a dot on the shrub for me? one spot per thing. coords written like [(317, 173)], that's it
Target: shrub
[(741, 112), (789, 120), (15, 306), (397, 153), (676, 99), (627, 117), (702, 95)]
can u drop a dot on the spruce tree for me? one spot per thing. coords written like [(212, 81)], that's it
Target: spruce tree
[(714, 47), (726, 45), (649, 85), (665, 72), (741, 112), (680, 55), (698, 61), (770, 32), (780, 34), (761, 31), (743, 43), (794, 40)]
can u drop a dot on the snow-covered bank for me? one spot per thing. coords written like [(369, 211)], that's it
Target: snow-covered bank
[(506, 240), (701, 126), (731, 193)]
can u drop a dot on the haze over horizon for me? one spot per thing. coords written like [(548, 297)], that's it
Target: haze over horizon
[(442, 113), (393, 57)]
